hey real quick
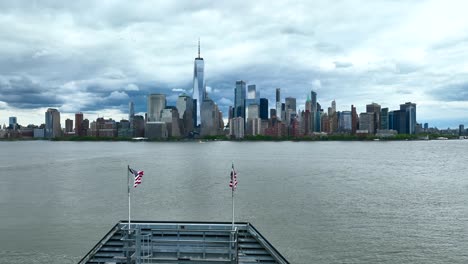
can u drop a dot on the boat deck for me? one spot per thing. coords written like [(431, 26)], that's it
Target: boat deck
[(183, 242)]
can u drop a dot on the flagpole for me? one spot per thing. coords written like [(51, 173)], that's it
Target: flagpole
[(128, 190), (232, 191), (232, 209)]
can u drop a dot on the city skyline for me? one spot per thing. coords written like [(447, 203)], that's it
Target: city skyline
[(383, 52)]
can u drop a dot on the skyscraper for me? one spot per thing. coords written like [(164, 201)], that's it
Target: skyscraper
[(290, 103), (263, 108), (384, 118), (239, 99), (374, 108), (278, 103), (52, 123), (131, 110), (315, 113), (198, 85), (12, 121), (79, 131), (156, 103), (251, 97), (410, 110), (354, 120), (185, 109)]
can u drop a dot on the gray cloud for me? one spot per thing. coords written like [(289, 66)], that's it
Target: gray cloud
[(452, 92), (92, 56)]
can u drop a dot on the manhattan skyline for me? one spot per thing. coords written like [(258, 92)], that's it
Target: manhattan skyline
[(94, 58)]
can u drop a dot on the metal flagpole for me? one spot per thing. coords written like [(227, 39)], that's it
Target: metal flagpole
[(233, 209), (128, 190), (232, 190)]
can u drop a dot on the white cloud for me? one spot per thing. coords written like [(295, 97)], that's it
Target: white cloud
[(178, 90), (225, 101), (116, 95)]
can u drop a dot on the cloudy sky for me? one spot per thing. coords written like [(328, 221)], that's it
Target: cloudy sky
[(96, 56)]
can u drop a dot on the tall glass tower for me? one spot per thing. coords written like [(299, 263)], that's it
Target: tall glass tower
[(198, 86)]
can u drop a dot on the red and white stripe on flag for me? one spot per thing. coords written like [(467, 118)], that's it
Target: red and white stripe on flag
[(233, 181), (138, 175)]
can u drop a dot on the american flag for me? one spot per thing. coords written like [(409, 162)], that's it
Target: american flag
[(138, 175), (233, 182)]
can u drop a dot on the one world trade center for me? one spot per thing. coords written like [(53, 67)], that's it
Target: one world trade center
[(198, 87)]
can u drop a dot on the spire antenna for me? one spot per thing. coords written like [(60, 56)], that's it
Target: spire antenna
[(198, 47)]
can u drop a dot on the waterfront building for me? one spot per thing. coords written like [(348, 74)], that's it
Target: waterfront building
[(306, 122), (85, 127), (276, 128), (251, 97), (199, 91), (12, 122), (384, 118), (354, 120), (314, 113), (209, 113), (156, 130), (366, 122), (103, 128), (236, 127), (410, 110), (290, 104), (239, 99), (131, 110), (374, 108), (185, 109), (123, 129), (156, 103), (53, 127), (170, 116), (278, 104), (461, 130), (399, 121), (325, 123), (283, 111), (345, 121), (138, 126), (263, 108), (79, 124), (68, 126), (391, 120)]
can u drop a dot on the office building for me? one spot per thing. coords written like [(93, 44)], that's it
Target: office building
[(156, 103), (384, 118), (263, 108), (185, 109), (366, 123), (239, 99), (53, 127), (354, 120), (199, 91), (79, 124), (290, 103), (374, 108), (410, 110), (278, 104), (345, 121), (68, 126), (12, 122)]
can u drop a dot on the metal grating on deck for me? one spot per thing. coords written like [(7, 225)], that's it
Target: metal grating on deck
[(183, 242)]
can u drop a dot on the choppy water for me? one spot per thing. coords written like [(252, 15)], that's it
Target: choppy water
[(316, 202)]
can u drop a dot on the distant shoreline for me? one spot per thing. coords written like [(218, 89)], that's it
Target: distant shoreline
[(402, 137)]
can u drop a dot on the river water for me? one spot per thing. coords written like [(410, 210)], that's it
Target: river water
[(316, 202)]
